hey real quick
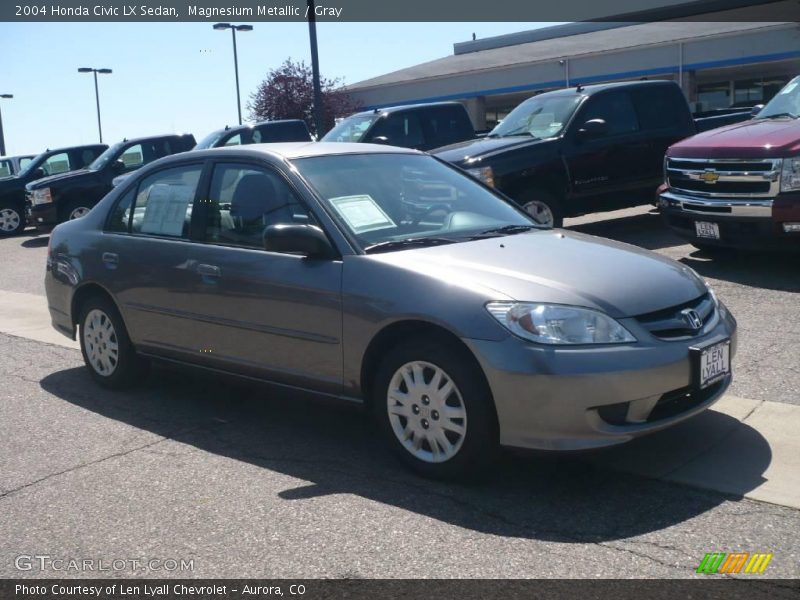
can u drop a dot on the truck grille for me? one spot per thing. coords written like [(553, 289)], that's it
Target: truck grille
[(671, 323), (744, 178)]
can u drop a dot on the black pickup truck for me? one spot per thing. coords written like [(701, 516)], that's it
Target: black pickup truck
[(50, 162), (11, 165), (265, 132), (419, 126), (59, 198), (583, 149)]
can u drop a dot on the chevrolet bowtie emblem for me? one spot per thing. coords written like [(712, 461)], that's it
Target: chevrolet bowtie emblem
[(709, 176)]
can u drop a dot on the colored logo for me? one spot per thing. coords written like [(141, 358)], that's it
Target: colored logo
[(754, 563), (709, 176)]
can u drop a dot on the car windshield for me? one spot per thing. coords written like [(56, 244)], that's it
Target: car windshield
[(352, 129), (389, 201), (106, 157), (210, 139), (538, 117), (786, 103)]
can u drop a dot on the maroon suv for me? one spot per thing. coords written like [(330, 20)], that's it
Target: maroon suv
[(739, 186)]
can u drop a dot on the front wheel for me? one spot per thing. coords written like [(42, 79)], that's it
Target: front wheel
[(436, 410), (544, 208), (106, 347), (12, 220), (76, 210)]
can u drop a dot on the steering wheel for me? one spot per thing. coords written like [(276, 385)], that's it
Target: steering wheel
[(423, 213)]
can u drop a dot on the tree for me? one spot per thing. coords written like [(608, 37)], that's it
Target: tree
[(288, 93)]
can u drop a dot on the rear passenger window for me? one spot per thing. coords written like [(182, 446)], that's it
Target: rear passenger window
[(164, 200), (660, 108), (447, 126), (120, 218), (616, 109)]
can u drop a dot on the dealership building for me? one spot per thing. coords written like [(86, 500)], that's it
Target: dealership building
[(717, 64)]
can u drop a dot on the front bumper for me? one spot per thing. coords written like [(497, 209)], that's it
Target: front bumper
[(42, 216), (578, 398), (755, 223)]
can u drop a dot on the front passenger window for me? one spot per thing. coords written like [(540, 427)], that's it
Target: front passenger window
[(244, 201), (164, 202)]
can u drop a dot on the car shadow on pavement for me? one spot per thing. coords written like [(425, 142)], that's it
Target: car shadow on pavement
[(36, 242), (768, 270), (643, 230), (564, 498)]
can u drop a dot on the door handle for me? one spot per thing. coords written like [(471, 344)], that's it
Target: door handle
[(209, 270), (111, 260)]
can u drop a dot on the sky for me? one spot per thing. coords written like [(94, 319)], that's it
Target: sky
[(179, 77)]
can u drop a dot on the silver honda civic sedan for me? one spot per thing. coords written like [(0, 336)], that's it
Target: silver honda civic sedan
[(385, 277)]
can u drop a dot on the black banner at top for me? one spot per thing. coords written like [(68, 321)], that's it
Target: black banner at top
[(397, 10)]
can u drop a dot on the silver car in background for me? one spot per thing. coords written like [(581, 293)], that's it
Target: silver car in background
[(383, 276)]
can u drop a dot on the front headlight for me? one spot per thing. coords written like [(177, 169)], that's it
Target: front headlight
[(484, 174), (41, 196), (790, 174), (559, 324)]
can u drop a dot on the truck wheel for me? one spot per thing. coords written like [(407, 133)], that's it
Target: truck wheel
[(544, 208), (75, 210), (12, 220), (435, 410)]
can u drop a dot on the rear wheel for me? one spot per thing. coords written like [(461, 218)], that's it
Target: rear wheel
[(106, 347), (544, 208), (435, 410), (12, 220)]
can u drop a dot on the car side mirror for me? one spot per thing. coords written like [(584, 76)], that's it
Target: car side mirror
[(756, 109), (294, 238), (380, 139), (39, 173), (118, 166), (593, 128)]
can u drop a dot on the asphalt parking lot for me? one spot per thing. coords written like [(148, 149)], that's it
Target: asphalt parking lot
[(246, 481)]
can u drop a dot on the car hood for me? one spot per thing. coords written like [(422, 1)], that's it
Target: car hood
[(53, 179), (483, 148), (558, 266), (768, 138)]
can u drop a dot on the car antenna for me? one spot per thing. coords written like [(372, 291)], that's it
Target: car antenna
[(227, 127), (579, 88)]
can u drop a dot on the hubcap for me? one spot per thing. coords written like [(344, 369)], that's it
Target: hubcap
[(100, 341), (9, 219), (540, 212), (78, 212), (426, 411)]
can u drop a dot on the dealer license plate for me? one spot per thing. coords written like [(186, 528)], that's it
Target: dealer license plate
[(704, 229), (715, 363)]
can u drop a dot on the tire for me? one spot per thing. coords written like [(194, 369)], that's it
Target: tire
[(100, 329), (12, 220), (543, 207), (74, 210), (466, 446)]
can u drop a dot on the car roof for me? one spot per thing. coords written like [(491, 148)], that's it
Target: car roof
[(391, 109), (153, 137), (290, 150), (245, 126), (588, 90), (69, 148)]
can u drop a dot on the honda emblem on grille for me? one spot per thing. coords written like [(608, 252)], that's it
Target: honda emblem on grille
[(692, 319), (709, 176)]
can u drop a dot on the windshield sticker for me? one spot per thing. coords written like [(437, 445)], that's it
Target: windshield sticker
[(166, 209), (362, 213)]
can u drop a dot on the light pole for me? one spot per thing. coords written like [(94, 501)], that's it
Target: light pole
[(312, 34), (96, 93), (234, 29), (2, 139)]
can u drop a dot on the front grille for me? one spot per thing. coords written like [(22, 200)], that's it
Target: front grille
[(756, 178), (670, 323)]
